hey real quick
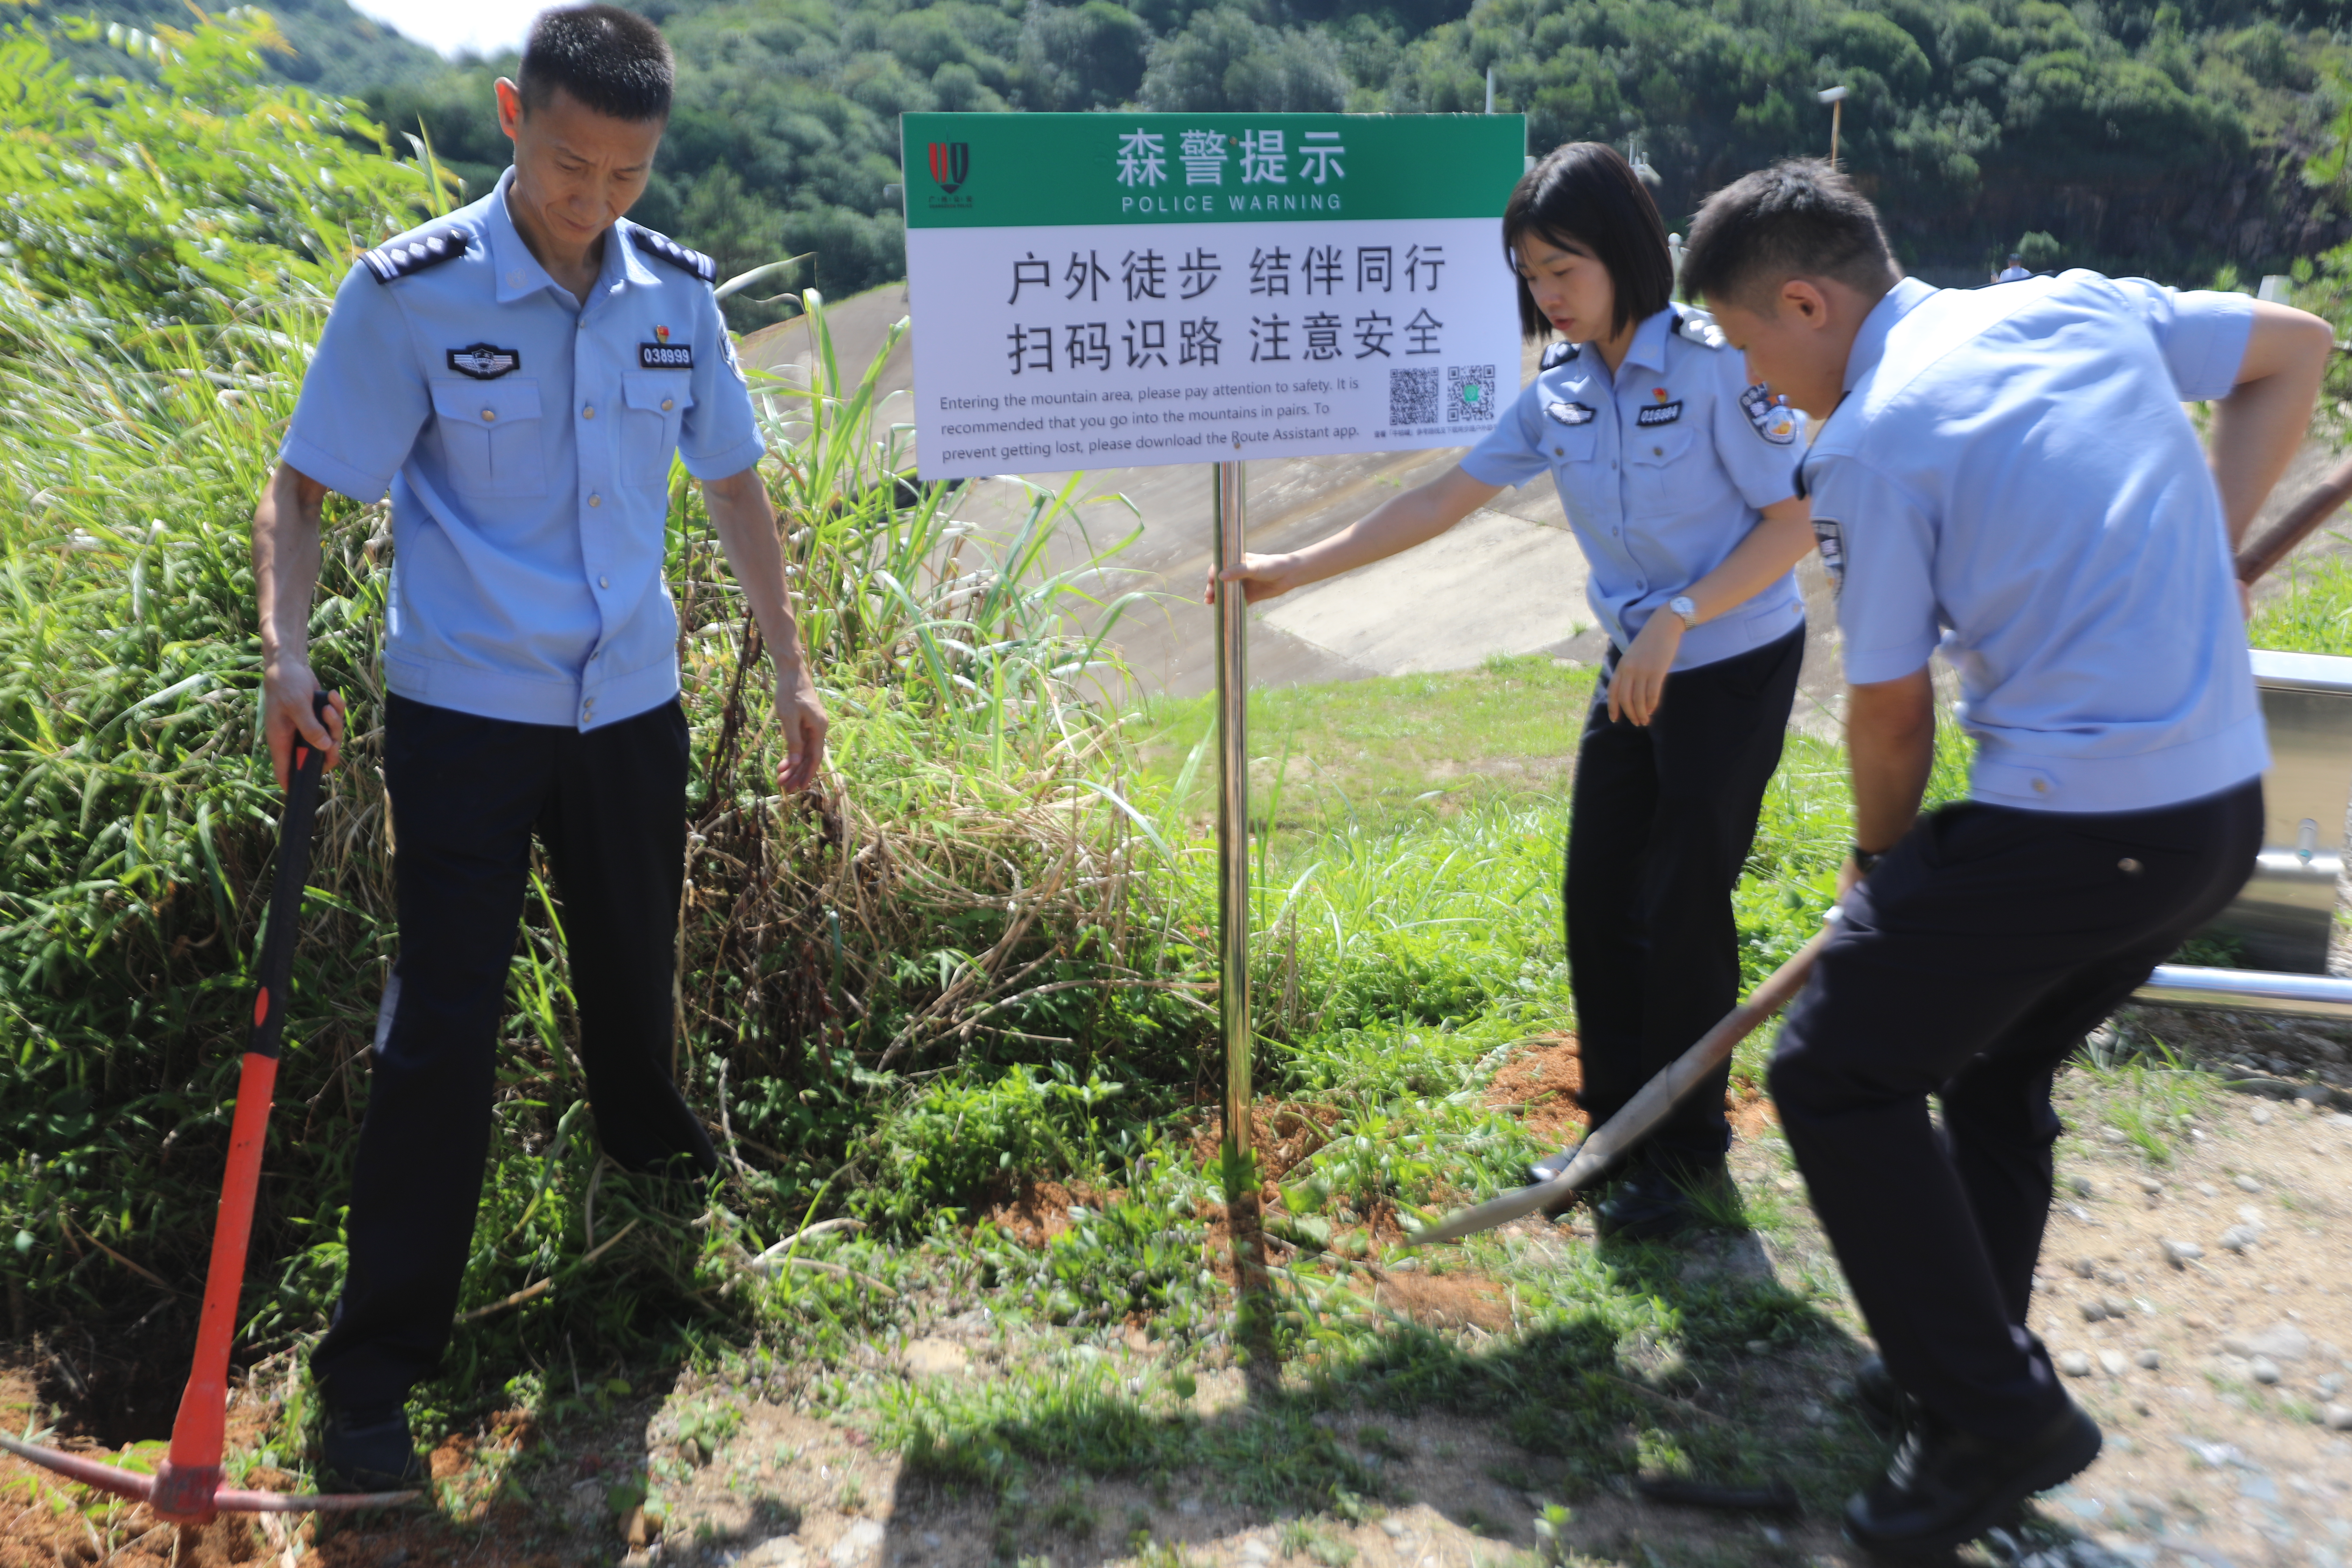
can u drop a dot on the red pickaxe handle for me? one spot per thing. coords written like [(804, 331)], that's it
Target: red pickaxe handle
[(185, 1485)]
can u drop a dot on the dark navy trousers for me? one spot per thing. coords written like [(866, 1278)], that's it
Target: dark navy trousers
[(1660, 825), (1969, 965), (468, 793)]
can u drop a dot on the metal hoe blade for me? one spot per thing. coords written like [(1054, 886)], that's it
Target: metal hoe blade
[(225, 1499), (1643, 1112), (186, 1489)]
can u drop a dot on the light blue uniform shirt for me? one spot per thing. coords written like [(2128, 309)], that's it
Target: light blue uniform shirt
[(527, 441), (2012, 476), (1661, 469)]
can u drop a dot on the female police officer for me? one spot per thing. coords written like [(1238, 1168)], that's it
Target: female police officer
[(1678, 478), (519, 373)]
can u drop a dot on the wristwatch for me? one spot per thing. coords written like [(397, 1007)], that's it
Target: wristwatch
[(1685, 606)]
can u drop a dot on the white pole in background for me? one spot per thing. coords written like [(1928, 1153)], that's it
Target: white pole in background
[(1835, 98)]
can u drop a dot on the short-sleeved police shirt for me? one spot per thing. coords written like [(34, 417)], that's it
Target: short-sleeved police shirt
[(1661, 469), (2012, 476), (527, 441)]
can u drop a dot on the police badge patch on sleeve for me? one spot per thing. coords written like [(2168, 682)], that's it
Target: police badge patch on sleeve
[(1773, 418), (1831, 535), (485, 362), (1569, 412)]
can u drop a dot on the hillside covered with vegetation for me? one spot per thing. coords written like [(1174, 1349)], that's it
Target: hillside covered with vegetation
[(2164, 138), (2158, 138)]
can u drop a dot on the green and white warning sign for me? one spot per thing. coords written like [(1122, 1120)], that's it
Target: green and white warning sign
[(1093, 289)]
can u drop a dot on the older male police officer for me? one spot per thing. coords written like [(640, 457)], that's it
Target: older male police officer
[(520, 374), (2006, 474)]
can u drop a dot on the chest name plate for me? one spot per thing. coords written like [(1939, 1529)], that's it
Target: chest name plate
[(665, 356), (1659, 414)]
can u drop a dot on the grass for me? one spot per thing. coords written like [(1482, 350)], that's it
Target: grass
[(2151, 1096), (1376, 748), (2315, 614)]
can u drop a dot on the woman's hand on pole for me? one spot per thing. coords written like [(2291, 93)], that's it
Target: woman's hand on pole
[(1419, 515), (1258, 577), (1638, 686)]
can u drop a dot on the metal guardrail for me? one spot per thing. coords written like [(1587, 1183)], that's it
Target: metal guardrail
[(2248, 990), (2286, 916)]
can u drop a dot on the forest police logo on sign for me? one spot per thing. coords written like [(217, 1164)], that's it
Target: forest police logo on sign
[(483, 362), (1831, 535), (951, 164), (1569, 412), (1773, 418)]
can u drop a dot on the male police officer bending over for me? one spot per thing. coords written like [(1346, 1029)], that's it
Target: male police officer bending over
[(2008, 473), (521, 374)]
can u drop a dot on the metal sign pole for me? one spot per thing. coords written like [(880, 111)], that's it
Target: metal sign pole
[(1232, 805), (1228, 514)]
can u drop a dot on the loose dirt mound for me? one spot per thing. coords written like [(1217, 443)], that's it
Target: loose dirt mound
[(1540, 1081), (1040, 1211), (1282, 1133)]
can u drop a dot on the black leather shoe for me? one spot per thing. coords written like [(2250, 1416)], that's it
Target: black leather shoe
[(1657, 1201), (1946, 1488), (1884, 1404), (370, 1450)]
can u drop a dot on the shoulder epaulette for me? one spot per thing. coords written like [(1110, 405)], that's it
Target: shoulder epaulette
[(1698, 327), (677, 255), (403, 257), (1559, 354)]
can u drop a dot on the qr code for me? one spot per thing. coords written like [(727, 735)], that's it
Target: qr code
[(1412, 397), (1469, 392)]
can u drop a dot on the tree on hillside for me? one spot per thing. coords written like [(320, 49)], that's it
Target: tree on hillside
[(2160, 138)]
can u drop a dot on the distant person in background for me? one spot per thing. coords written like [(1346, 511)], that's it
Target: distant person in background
[(2014, 271), (1677, 477), (520, 374)]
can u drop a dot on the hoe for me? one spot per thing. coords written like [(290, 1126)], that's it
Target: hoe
[(187, 1489)]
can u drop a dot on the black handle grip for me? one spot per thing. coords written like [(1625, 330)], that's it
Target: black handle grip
[(286, 892)]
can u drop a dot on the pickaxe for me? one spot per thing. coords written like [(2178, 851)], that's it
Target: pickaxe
[(187, 1489)]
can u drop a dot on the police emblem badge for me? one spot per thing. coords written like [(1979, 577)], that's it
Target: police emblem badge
[(485, 362), (1569, 412), (1831, 535), (1773, 418)]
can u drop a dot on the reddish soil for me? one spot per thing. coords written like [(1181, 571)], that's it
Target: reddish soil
[(1445, 1300), (1282, 1133), (1540, 1083), (1039, 1211)]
